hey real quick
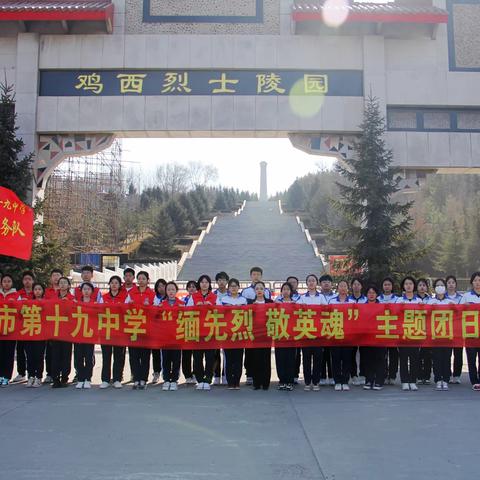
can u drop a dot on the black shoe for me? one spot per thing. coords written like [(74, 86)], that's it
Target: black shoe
[(256, 388), (265, 388), (289, 387), (57, 384)]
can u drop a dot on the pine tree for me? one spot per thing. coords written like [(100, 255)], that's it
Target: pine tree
[(379, 226), (179, 217), (449, 261), (296, 196), (187, 203), (162, 241)]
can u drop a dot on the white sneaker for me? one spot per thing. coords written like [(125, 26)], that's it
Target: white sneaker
[(362, 380), (331, 382), (143, 385), (206, 386), (355, 381), (444, 386), (456, 380), (406, 386), (87, 384), (37, 383), (345, 387), (216, 381), (190, 380), (224, 380), (79, 385), (413, 386), (439, 386), (249, 381), (316, 388), (173, 386), (338, 387), (323, 382), (117, 384), (104, 385), (30, 382), (156, 377), (199, 386), (48, 379), (307, 388), (166, 386), (19, 378)]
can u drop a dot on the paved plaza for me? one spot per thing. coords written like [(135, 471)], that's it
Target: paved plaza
[(146, 435)]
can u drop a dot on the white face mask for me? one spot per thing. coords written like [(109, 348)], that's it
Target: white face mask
[(440, 290)]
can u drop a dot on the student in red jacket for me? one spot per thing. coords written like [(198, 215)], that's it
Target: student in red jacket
[(203, 371), (87, 276), (187, 355), (140, 357), (171, 358), (114, 295), (51, 292), (7, 347)]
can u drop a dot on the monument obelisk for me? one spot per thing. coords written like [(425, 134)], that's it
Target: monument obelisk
[(263, 182)]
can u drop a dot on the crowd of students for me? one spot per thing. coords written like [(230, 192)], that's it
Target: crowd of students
[(340, 367)]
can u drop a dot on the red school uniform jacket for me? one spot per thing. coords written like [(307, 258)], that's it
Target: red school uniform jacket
[(119, 298), (68, 296), (51, 293), (199, 299), (142, 298), (78, 293), (23, 295), (11, 295), (178, 303)]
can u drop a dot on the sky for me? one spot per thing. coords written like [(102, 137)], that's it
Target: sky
[(236, 159)]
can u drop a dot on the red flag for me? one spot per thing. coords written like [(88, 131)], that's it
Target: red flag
[(16, 226)]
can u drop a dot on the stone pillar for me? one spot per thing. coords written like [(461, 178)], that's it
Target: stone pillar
[(263, 182)]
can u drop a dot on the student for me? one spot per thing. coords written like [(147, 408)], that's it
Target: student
[(341, 356), (25, 293), (425, 364), (261, 358), (391, 367), (187, 355), (86, 275), (326, 372), (285, 356), (409, 356), (160, 296), (293, 281), (256, 274), (441, 355), (358, 377), (473, 353), (61, 352), (35, 350), (171, 358), (115, 295), (374, 357), (312, 356), (203, 371), (84, 352), (140, 357), (7, 347), (221, 279), (452, 294), (234, 356), (129, 286)]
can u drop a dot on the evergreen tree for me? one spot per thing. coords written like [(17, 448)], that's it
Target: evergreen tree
[(448, 258), (179, 217), (379, 226), (185, 200), (162, 241), (220, 202), (296, 196)]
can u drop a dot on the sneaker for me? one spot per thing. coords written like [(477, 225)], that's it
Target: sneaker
[(104, 385), (323, 382), (166, 386), (57, 384), (173, 386), (355, 381), (224, 380), (405, 386), (475, 387), (206, 386), (377, 387), (30, 381), (444, 385), (439, 386), (331, 382), (391, 381), (316, 387), (281, 386), (290, 386), (156, 377), (413, 386), (427, 382), (216, 381), (345, 387), (296, 380), (79, 385), (190, 380), (307, 388), (48, 379), (19, 378), (199, 386), (367, 386), (249, 381), (87, 384), (117, 384), (136, 385), (456, 380), (338, 387), (143, 385), (362, 380), (37, 383)]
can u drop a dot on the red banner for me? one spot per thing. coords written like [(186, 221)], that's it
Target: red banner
[(208, 327), (16, 226)]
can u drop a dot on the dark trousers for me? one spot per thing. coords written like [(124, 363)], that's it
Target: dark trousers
[(118, 354), (157, 360), (140, 363), (48, 358), (441, 363), (326, 365), (312, 362), (409, 364), (233, 366), (171, 365), (457, 361), (21, 359), (203, 371), (391, 367), (374, 358), (473, 359), (298, 361), (357, 368), (187, 369), (61, 358), (7, 358), (341, 364), (83, 354), (218, 371), (425, 365), (261, 367), (285, 359), (35, 352), (248, 362)]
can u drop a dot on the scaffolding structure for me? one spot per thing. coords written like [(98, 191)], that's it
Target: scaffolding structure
[(82, 201)]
